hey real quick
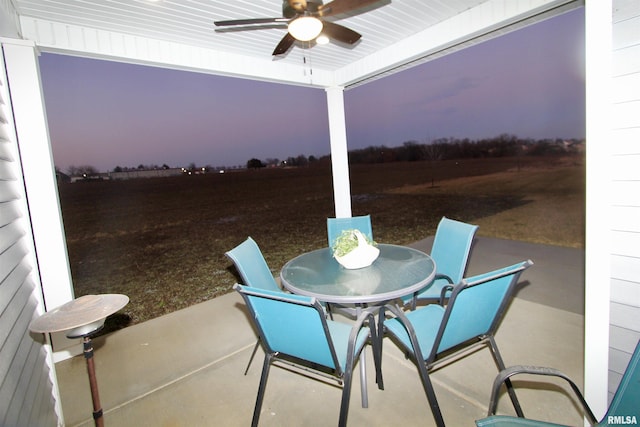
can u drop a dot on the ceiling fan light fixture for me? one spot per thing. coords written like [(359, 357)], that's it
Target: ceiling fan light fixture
[(322, 39), (305, 28)]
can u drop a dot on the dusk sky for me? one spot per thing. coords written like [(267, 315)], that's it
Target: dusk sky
[(529, 83)]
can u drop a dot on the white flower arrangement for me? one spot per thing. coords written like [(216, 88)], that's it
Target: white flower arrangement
[(353, 250)]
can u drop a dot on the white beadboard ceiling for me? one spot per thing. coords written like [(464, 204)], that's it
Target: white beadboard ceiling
[(181, 34)]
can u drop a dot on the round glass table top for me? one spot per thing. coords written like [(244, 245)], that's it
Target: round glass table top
[(398, 271)]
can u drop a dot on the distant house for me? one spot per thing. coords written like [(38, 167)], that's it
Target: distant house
[(145, 173)]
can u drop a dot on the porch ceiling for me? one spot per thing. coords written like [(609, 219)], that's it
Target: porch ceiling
[(180, 34)]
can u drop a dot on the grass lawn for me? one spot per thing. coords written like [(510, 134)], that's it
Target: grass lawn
[(161, 241)]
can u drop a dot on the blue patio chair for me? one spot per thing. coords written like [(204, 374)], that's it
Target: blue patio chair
[(622, 410), (251, 265), (293, 329), (254, 271), (433, 334), (450, 250)]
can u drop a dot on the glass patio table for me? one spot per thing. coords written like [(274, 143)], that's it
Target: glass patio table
[(398, 271)]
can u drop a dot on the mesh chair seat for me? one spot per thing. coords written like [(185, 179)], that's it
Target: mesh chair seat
[(431, 314)]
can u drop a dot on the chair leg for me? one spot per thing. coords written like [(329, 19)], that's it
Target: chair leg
[(346, 395), (430, 392), (253, 353), (500, 363), (263, 385), (416, 357)]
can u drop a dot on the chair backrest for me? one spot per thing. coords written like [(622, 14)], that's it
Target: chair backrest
[(451, 247), (476, 307), (627, 397), (335, 226), (291, 324), (252, 266)]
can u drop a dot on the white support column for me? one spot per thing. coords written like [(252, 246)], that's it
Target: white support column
[(339, 152), (598, 27), (39, 172)]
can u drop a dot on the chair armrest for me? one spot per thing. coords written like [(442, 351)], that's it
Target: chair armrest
[(445, 289), (443, 294), (443, 276), (536, 370)]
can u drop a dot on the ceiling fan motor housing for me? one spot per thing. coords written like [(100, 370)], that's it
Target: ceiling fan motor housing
[(291, 8)]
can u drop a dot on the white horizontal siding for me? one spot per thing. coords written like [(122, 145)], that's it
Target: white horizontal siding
[(625, 243), (623, 339), (618, 359), (626, 141), (625, 194), (625, 292), (625, 268), (625, 316), (626, 61), (625, 114), (621, 345), (625, 88), (26, 389), (625, 218), (626, 32)]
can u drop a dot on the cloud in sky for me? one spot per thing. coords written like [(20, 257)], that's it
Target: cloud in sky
[(102, 113)]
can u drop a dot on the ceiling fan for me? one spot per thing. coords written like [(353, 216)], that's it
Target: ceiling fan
[(304, 22)]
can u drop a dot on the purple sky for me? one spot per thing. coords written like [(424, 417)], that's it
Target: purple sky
[(529, 83)]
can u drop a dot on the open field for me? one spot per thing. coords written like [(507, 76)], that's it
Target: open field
[(161, 241)]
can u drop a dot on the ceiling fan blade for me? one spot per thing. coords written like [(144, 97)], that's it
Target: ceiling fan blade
[(241, 28), (337, 7), (284, 45), (249, 21), (340, 33)]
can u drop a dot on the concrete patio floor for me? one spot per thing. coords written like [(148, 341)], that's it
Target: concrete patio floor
[(186, 368)]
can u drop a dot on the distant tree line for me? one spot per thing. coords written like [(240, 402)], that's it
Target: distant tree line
[(300, 160), (450, 148), (140, 167), (504, 145)]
